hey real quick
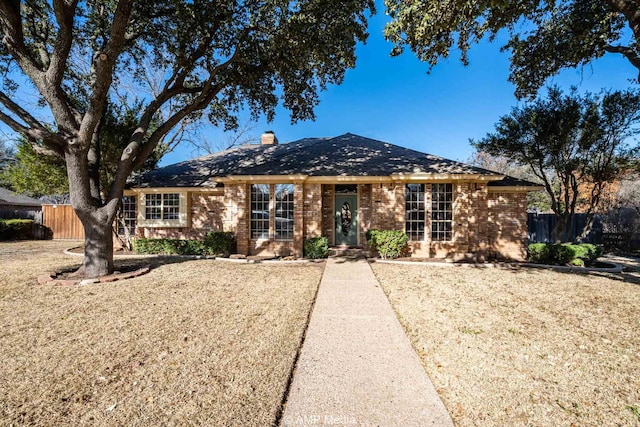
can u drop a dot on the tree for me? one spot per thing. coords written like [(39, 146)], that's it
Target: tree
[(211, 58), (581, 141), (536, 200), (7, 154), (544, 36), (244, 134), (36, 175)]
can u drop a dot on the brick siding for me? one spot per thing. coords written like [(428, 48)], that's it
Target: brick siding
[(484, 223)]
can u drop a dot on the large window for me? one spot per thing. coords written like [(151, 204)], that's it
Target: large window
[(415, 211), (441, 212), (284, 211), (128, 215), (260, 211), (162, 206)]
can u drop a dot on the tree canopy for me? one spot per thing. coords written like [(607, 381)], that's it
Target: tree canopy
[(574, 144), (183, 59), (544, 36)]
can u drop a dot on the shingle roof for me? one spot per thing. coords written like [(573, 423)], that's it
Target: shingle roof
[(345, 155), (7, 197)]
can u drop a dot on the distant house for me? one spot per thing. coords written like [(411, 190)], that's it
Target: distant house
[(274, 196), (18, 206)]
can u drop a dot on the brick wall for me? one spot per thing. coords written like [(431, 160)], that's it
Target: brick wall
[(328, 221), (507, 224), (237, 211), (206, 213), (312, 210), (364, 212), (386, 212), (484, 223)]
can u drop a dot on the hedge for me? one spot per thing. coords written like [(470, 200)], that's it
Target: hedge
[(579, 254), (14, 229), (215, 243), (316, 247), (388, 243)]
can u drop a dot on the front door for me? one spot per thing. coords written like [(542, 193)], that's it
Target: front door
[(346, 219)]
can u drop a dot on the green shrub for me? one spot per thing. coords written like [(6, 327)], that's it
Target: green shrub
[(388, 243), (214, 243), (220, 243), (316, 247), (14, 229), (580, 254)]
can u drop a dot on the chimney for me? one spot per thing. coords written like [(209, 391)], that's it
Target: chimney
[(269, 138)]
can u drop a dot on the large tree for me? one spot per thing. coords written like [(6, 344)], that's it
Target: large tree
[(189, 57), (574, 144), (36, 175), (544, 36)]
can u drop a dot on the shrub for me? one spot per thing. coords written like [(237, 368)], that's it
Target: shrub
[(388, 243), (214, 243), (220, 243), (13, 229), (316, 247), (566, 253)]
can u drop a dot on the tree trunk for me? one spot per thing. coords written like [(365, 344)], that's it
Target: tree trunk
[(98, 244)]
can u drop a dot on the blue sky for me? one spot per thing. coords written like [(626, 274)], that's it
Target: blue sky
[(395, 100)]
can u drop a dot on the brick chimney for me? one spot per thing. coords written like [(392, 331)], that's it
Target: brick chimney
[(269, 138)]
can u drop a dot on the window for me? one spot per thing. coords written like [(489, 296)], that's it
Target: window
[(284, 211), (441, 212), (260, 211), (128, 215), (153, 206), (171, 206), (414, 211), (162, 206)]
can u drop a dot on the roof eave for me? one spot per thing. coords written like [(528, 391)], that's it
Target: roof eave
[(445, 177), (514, 188)]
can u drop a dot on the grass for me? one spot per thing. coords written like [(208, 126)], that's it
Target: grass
[(523, 347), (191, 343)]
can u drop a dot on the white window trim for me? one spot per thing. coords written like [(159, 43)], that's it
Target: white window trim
[(181, 221), (431, 220), (272, 215)]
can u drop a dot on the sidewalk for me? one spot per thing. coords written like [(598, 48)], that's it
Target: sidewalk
[(357, 366)]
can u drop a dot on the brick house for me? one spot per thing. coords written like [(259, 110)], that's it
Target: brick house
[(273, 196)]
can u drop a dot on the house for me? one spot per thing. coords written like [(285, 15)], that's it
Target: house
[(14, 205), (274, 196)]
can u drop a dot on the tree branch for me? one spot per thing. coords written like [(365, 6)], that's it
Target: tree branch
[(628, 52), (64, 16), (104, 66), (13, 38)]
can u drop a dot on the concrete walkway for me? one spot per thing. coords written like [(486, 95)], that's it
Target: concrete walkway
[(357, 366)]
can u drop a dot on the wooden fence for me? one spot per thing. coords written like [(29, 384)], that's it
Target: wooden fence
[(63, 222)]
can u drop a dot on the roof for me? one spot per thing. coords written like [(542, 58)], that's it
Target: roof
[(345, 155), (509, 181), (8, 197)]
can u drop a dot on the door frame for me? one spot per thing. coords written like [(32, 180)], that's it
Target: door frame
[(333, 202)]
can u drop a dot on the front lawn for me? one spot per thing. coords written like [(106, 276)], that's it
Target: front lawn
[(200, 342), (523, 347)]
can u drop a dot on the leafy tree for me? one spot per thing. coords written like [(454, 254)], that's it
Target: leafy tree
[(36, 175), (190, 59), (7, 154), (581, 141), (536, 200), (544, 36)]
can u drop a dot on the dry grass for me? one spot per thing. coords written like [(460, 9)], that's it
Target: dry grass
[(191, 343), (523, 347)]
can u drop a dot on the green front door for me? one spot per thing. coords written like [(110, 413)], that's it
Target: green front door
[(346, 219)]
